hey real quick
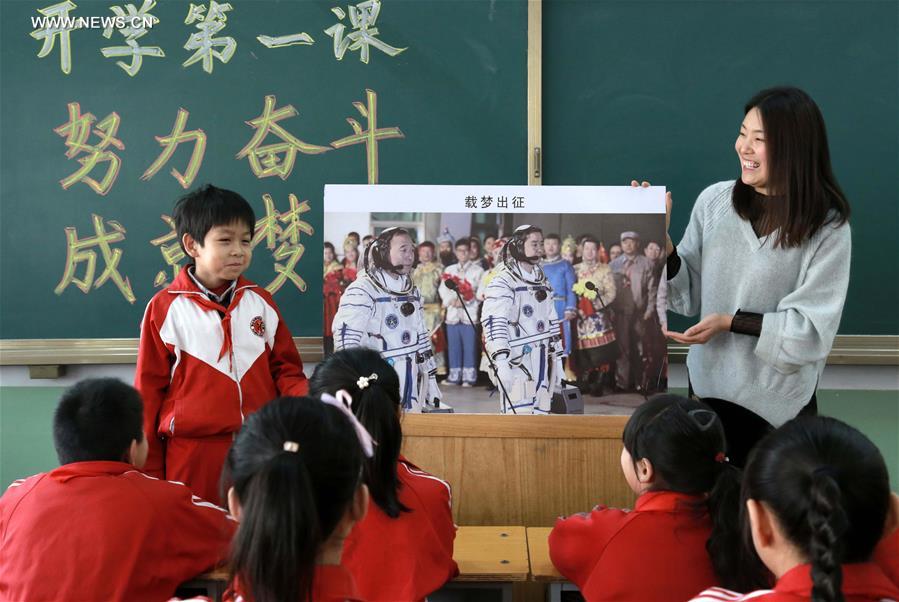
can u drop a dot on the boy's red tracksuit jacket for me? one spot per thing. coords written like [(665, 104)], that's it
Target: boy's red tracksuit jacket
[(202, 369)]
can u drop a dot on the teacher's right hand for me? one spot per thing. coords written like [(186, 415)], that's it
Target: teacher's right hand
[(669, 246)]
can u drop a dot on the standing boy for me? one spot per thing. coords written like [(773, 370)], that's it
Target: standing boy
[(96, 527), (213, 346), (461, 334)]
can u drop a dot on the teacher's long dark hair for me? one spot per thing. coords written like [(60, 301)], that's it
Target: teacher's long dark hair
[(377, 406), (291, 501), (800, 176), (828, 487)]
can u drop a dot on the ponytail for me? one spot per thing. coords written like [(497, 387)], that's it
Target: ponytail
[(378, 414), (274, 551), (375, 389), (827, 524), (295, 467)]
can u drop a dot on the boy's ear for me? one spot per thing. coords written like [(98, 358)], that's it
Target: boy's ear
[(190, 245), (137, 452)]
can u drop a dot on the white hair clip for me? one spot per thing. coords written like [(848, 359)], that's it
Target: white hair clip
[(342, 400), (363, 381), (291, 446)]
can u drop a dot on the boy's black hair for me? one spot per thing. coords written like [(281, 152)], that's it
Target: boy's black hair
[(97, 419), (201, 210), (462, 242), (552, 236)]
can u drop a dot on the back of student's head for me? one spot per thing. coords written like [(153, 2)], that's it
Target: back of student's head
[(375, 389), (97, 419), (828, 487), (295, 467), (683, 439), (201, 210)]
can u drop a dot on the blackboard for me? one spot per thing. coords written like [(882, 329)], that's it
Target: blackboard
[(456, 96), (655, 91)]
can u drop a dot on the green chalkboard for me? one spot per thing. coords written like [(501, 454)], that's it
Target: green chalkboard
[(456, 96), (655, 90)]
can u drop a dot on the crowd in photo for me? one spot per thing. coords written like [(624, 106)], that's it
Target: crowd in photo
[(609, 298)]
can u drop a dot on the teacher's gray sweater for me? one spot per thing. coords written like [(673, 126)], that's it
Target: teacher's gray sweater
[(800, 291)]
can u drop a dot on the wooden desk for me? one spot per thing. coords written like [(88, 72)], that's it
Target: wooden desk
[(491, 554), (488, 557), (542, 568)]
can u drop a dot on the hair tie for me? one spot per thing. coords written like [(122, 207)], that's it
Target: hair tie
[(703, 426), (342, 400), (363, 381), (720, 458), (291, 446)]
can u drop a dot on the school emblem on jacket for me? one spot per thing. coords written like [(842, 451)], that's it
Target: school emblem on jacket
[(407, 337), (392, 321), (257, 325), (527, 310), (541, 326)]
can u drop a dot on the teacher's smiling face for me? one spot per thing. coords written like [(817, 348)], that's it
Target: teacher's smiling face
[(750, 147)]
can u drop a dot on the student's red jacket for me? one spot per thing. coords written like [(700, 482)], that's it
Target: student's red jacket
[(862, 582), (655, 552), (202, 368), (105, 531), (408, 557)]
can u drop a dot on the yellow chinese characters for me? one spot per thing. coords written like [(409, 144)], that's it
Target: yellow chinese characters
[(264, 160), (57, 25), (290, 250), (81, 251), (370, 136), (171, 250), (171, 142), (77, 130)]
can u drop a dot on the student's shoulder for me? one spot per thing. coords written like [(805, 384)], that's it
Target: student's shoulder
[(20, 488), (426, 486), (166, 495)]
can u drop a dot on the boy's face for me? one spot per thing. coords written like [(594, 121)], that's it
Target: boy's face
[(224, 254), (425, 254), (589, 253), (551, 246), (462, 253)]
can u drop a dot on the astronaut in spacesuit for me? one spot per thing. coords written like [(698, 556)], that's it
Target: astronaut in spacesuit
[(382, 310), (521, 327)]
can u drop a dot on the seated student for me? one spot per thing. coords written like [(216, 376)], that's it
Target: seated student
[(817, 496), (403, 548), (213, 346), (669, 546), (296, 486), (97, 528)]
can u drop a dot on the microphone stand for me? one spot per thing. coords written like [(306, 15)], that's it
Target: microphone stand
[(451, 285)]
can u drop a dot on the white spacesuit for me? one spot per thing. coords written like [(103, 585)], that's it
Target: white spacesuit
[(382, 310), (521, 327)]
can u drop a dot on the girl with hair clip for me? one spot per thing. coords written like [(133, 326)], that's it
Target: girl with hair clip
[(817, 501), (403, 549), (671, 545), (295, 475), (764, 263)]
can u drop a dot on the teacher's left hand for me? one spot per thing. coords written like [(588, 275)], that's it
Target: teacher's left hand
[(702, 332)]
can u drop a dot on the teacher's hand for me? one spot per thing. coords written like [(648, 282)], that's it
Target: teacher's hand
[(702, 332), (669, 246)]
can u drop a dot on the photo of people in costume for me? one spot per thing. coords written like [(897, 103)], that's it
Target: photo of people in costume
[(499, 312)]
